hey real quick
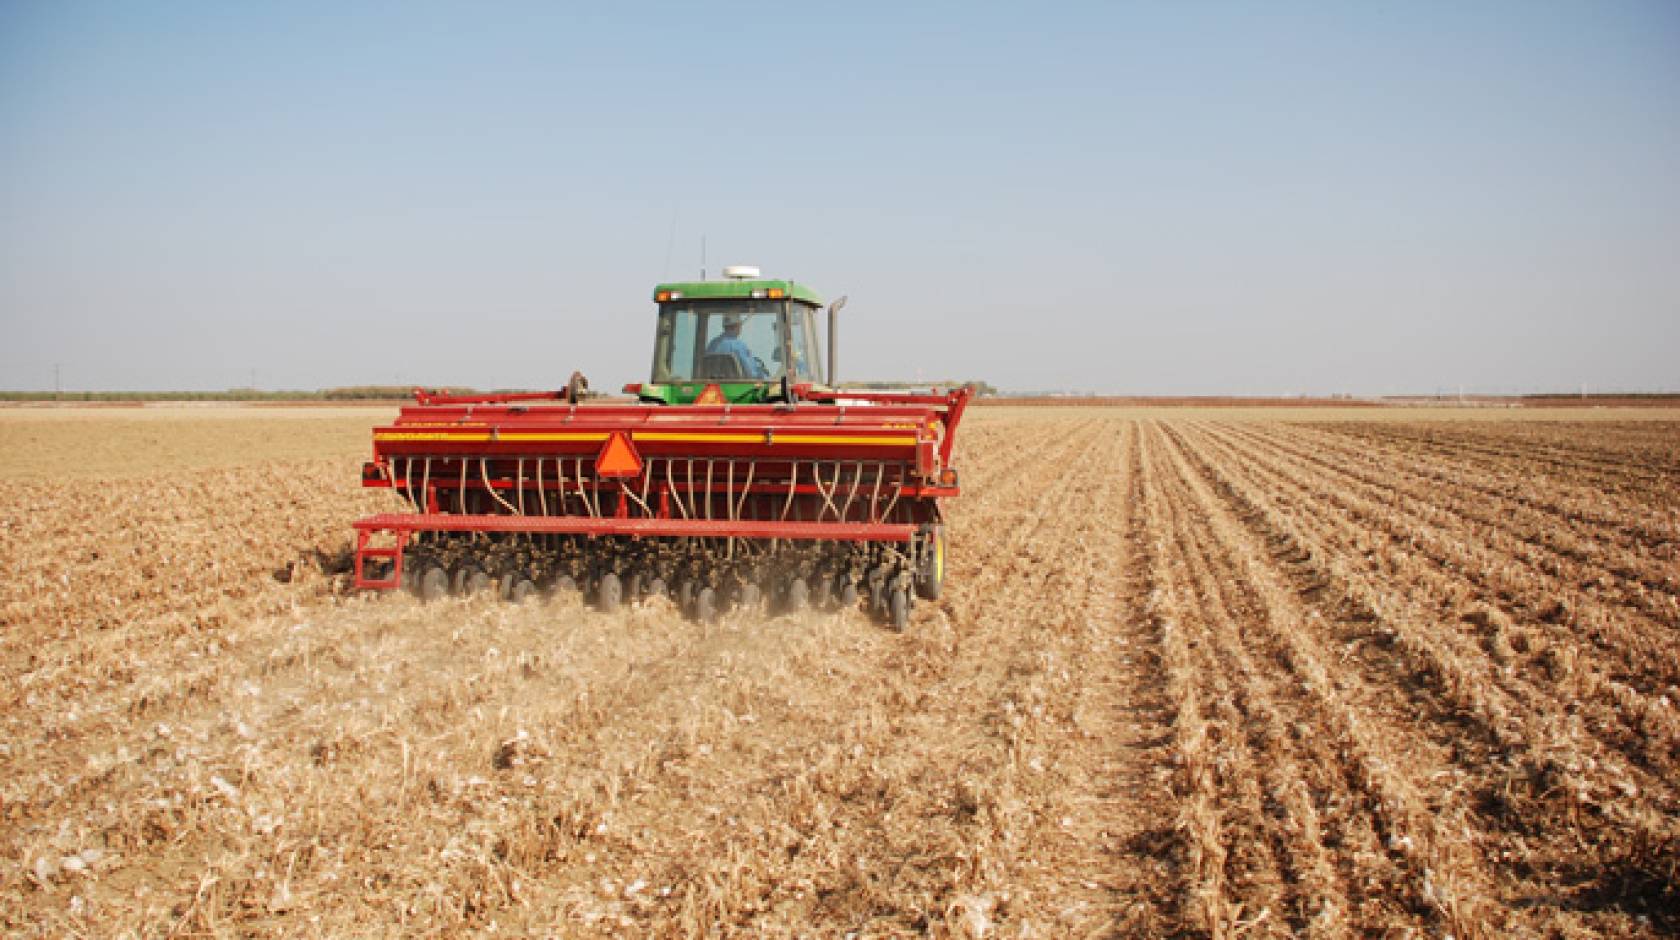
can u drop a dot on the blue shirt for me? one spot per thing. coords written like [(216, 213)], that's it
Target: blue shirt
[(725, 344)]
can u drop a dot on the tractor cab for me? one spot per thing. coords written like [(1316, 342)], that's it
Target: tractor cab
[(749, 336)]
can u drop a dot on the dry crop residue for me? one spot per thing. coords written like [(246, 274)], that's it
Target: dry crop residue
[(1197, 673)]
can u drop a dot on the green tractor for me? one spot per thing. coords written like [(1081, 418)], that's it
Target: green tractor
[(743, 340)]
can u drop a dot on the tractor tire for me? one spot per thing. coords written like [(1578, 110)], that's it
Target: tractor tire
[(930, 578)]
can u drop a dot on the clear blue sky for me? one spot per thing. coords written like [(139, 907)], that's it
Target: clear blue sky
[(1162, 198)]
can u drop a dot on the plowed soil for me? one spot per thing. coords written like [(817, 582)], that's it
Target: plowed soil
[(1197, 673)]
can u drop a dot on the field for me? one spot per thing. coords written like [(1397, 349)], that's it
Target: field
[(1198, 673)]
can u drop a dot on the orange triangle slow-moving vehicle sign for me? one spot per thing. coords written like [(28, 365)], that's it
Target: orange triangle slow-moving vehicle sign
[(711, 395), (618, 458)]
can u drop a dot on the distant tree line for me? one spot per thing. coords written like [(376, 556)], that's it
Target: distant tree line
[(347, 393), (377, 393), (980, 387), (1598, 396)]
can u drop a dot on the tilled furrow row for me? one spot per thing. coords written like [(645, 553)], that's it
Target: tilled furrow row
[(1522, 590), (1628, 452), (1592, 561), (1278, 863), (1061, 712), (1126, 712), (1414, 820), (1199, 817), (1458, 570), (1550, 449), (1583, 512), (1613, 483), (1547, 766)]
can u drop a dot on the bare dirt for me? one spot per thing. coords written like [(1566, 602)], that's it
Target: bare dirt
[(1197, 673)]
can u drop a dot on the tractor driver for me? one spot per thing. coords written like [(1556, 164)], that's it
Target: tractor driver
[(730, 343)]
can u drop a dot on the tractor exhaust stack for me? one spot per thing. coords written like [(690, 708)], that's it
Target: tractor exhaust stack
[(834, 342)]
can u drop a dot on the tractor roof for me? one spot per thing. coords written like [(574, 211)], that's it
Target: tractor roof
[(737, 289)]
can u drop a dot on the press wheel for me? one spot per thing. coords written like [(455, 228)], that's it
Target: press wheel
[(898, 609), (798, 595), (609, 593), (750, 596), (433, 583), (705, 606), (475, 581)]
